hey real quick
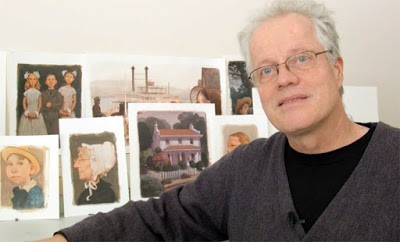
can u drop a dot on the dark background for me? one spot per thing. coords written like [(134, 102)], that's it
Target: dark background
[(43, 71), (76, 141)]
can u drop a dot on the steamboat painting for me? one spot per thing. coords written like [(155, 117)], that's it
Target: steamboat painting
[(118, 80), (130, 79)]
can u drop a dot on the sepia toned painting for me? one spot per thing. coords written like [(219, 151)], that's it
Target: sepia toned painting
[(173, 145), (95, 174), (27, 185)]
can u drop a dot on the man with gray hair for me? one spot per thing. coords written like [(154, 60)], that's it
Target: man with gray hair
[(322, 177)]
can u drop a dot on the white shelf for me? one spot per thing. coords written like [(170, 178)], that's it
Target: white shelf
[(29, 230)]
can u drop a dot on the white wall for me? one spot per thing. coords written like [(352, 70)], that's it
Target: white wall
[(369, 31)]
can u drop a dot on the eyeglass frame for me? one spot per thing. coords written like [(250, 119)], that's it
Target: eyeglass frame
[(285, 62)]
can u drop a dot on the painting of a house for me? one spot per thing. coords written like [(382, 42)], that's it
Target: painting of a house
[(172, 145), (173, 149), (180, 145)]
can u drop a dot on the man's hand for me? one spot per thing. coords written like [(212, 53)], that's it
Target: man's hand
[(55, 238)]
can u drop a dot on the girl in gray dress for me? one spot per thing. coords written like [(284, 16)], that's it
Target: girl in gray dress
[(31, 121)]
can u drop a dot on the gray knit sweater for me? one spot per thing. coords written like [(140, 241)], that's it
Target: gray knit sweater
[(246, 197)]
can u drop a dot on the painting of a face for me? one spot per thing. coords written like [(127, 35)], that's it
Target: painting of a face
[(69, 78), (51, 81), (244, 109), (32, 78), (19, 169), (82, 164), (232, 143)]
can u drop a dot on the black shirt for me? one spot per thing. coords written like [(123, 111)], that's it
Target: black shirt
[(315, 179)]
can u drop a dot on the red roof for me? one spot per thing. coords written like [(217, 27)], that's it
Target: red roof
[(180, 132)]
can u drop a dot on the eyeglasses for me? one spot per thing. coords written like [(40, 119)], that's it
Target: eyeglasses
[(301, 61)]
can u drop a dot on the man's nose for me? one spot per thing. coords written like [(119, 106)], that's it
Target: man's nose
[(285, 76)]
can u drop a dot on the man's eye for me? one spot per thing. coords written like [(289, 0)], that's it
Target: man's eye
[(266, 71), (303, 59)]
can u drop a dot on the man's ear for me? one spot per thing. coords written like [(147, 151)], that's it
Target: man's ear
[(338, 69)]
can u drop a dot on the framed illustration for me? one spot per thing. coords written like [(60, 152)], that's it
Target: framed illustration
[(29, 177), (3, 113), (42, 88), (239, 100), (172, 145), (94, 168), (116, 80), (234, 130), (259, 111)]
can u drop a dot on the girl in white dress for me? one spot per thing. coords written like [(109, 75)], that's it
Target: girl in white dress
[(69, 94), (31, 121)]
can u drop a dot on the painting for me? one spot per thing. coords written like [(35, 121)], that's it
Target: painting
[(240, 95), (173, 145), (3, 113), (116, 80), (94, 168), (29, 177), (234, 130), (42, 89)]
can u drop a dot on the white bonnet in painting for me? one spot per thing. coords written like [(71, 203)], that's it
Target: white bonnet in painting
[(102, 157)]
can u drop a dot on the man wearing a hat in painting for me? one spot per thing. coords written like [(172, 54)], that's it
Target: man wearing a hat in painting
[(21, 167), (96, 109), (243, 105)]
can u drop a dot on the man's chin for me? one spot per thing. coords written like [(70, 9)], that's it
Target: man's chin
[(294, 127)]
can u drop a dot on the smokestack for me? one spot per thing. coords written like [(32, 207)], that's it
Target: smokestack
[(133, 78), (147, 84)]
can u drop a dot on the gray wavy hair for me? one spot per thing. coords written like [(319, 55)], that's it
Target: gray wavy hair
[(321, 17)]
